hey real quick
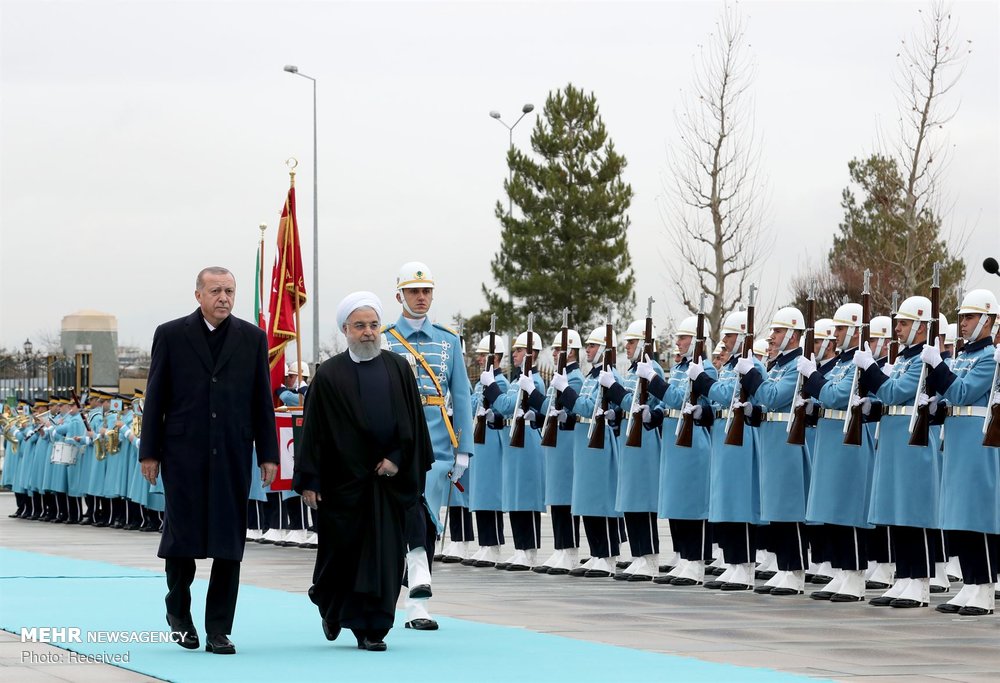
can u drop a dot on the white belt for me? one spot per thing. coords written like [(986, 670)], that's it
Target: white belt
[(968, 411), (778, 417), (899, 410), (835, 414)]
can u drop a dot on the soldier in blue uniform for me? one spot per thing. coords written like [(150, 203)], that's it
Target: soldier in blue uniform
[(969, 508), (559, 459), (435, 355), (639, 468), (486, 478), (72, 432), (840, 482), (13, 457), (685, 473)]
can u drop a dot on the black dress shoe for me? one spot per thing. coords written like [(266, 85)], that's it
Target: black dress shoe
[(907, 602), (149, 528), (820, 579), (469, 562), (117, 524), (517, 567), (683, 581), (220, 644), (622, 565), (948, 608), (763, 590), (730, 586), (187, 634), (557, 571), (596, 574), (883, 601), (939, 589), (715, 584), (421, 592), (439, 557), (970, 611), (422, 624), (664, 580), (876, 586), (331, 632), (14, 515), (451, 559), (501, 565), (578, 571), (483, 563), (636, 578), (764, 575), (845, 597), (782, 590), (664, 568), (541, 569), (372, 645), (100, 525), (621, 576), (821, 595), (86, 520)]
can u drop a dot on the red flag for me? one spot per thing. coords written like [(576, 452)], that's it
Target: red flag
[(288, 291)]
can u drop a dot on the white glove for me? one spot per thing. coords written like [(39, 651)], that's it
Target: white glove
[(865, 403), (694, 370), (887, 369), (931, 354), (864, 358), (606, 378), (563, 416), (645, 370), (525, 383), (747, 407), (806, 366), (489, 415), (647, 416), (692, 409), (745, 364), (929, 401), (518, 413), (529, 416), (559, 381), (487, 378), (609, 415), (461, 464), (798, 402), (996, 354), (996, 398), (480, 411)]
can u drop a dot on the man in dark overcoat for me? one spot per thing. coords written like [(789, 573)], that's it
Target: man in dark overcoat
[(208, 403)]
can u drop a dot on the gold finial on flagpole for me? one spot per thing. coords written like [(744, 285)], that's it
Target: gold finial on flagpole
[(292, 163), (263, 227)]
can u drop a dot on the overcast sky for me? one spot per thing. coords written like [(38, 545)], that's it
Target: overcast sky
[(143, 140)]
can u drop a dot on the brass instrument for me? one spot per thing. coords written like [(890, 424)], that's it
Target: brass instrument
[(137, 418), (113, 445)]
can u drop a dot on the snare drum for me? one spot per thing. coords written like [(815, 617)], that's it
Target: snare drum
[(64, 453)]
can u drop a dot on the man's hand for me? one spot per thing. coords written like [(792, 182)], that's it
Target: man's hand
[(806, 366), (525, 383), (864, 358), (487, 378), (461, 464), (150, 470), (887, 369), (864, 402), (645, 370), (930, 401), (694, 370), (386, 468), (312, 498), (931, 354), (268, 471), (606, 378), (560, 382), (693, 409), (745, 364)]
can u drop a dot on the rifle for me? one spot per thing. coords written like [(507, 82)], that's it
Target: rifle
[(550, 428), (797, 425), (920, 421), (517, 429), (479, 430), (737, 418), (991, 425), (852, 424), (598, 423), (685, 426), (893, 341), (633, 430)]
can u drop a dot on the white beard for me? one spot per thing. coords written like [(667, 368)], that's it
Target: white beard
[(365, 350)]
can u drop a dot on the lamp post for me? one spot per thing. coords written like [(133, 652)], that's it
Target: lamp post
[(292, 69), (525, 110), (28, 348)]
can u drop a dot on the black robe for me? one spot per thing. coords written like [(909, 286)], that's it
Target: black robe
[(360, 521)]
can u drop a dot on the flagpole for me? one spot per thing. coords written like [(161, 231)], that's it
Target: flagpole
[(260, 276), (295, 295)]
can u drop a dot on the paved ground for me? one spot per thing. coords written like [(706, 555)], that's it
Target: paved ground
[(851, 642)]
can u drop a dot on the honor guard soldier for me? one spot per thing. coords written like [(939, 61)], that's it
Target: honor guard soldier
[(559, 458), (13, 435), (486, 478), (639, 466), (685, 472), (839, 486), (969, 511), (435, 355)]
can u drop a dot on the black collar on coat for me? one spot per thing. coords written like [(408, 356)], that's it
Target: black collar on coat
[(196, 336)]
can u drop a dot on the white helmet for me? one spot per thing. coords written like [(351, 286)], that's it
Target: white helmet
[(915, 308), (688, 326), (849, 315), (414, 274), (942, 323), (498, 344), (823, 330), (880, 330), (760, 348), (637, 331), (951, 336), (735, 323), (598, 335), (789, 317), (719, 348), (572, 340), (290, 369), (981, 301), (522, 341)]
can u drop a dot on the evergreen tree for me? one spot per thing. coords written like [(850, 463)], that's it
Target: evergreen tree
[(568, 247)]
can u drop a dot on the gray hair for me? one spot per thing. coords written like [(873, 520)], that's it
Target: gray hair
[(213, 270)]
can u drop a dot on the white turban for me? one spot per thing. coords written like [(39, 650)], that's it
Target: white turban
[(353, 302)]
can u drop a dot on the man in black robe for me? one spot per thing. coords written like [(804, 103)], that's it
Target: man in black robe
[(361, 464)]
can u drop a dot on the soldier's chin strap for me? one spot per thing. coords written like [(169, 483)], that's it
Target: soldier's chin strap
[(979, 328), (406, 307), (913, 333)]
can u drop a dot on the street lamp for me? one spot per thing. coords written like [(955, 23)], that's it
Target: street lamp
[(292, 69), (525, 110), (28, 348)]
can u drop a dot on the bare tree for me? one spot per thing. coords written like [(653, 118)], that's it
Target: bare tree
[(929, 66), (716, 191)]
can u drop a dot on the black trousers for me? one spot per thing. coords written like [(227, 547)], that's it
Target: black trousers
[(489, 523), (460, 524), (602, 536), (977, 553), (737, 540), (223, 587), (880, 545), (848, 547), (255, 515), (819, 550), (764, 541), (788, 541), (692, 539), (526, 528), (565, 527), (916, 550), (643, 537)]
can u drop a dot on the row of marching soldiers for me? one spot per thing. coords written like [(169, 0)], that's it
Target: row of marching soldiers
[(72, 464), (884, 515)]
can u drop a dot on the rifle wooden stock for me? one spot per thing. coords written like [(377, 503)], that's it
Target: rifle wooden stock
[(517, 428), (797, 426), (685, 431), (633, 439), (921, 423), (855, 417), (738, 418), (479, 429), (598, 427), (991, 426), (550, 429)]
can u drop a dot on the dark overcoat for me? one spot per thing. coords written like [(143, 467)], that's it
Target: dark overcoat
[(201, 421)]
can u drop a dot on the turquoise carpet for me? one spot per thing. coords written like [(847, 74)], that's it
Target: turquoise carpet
[(278, 636)]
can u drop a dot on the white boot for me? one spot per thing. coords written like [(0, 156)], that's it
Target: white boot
[(519, 562), (532, 557), (672, 560), (296, 537), (490, 556), (742, 578), (418, 573), (767, 568), (552, 560), (644, 568), (917, 593), (567, 560), (254, 534), (312, 540), (958, 602), (417, 616), (826, 572), (852, 587), (954, 568), (692, 574), (982, 601), (476, 556), (771, 583), (880, 574), (454, 552), (894, 592), (831, 588), (792, 583), (273, 535), (602, 567), (723, 578), (939, 582)]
